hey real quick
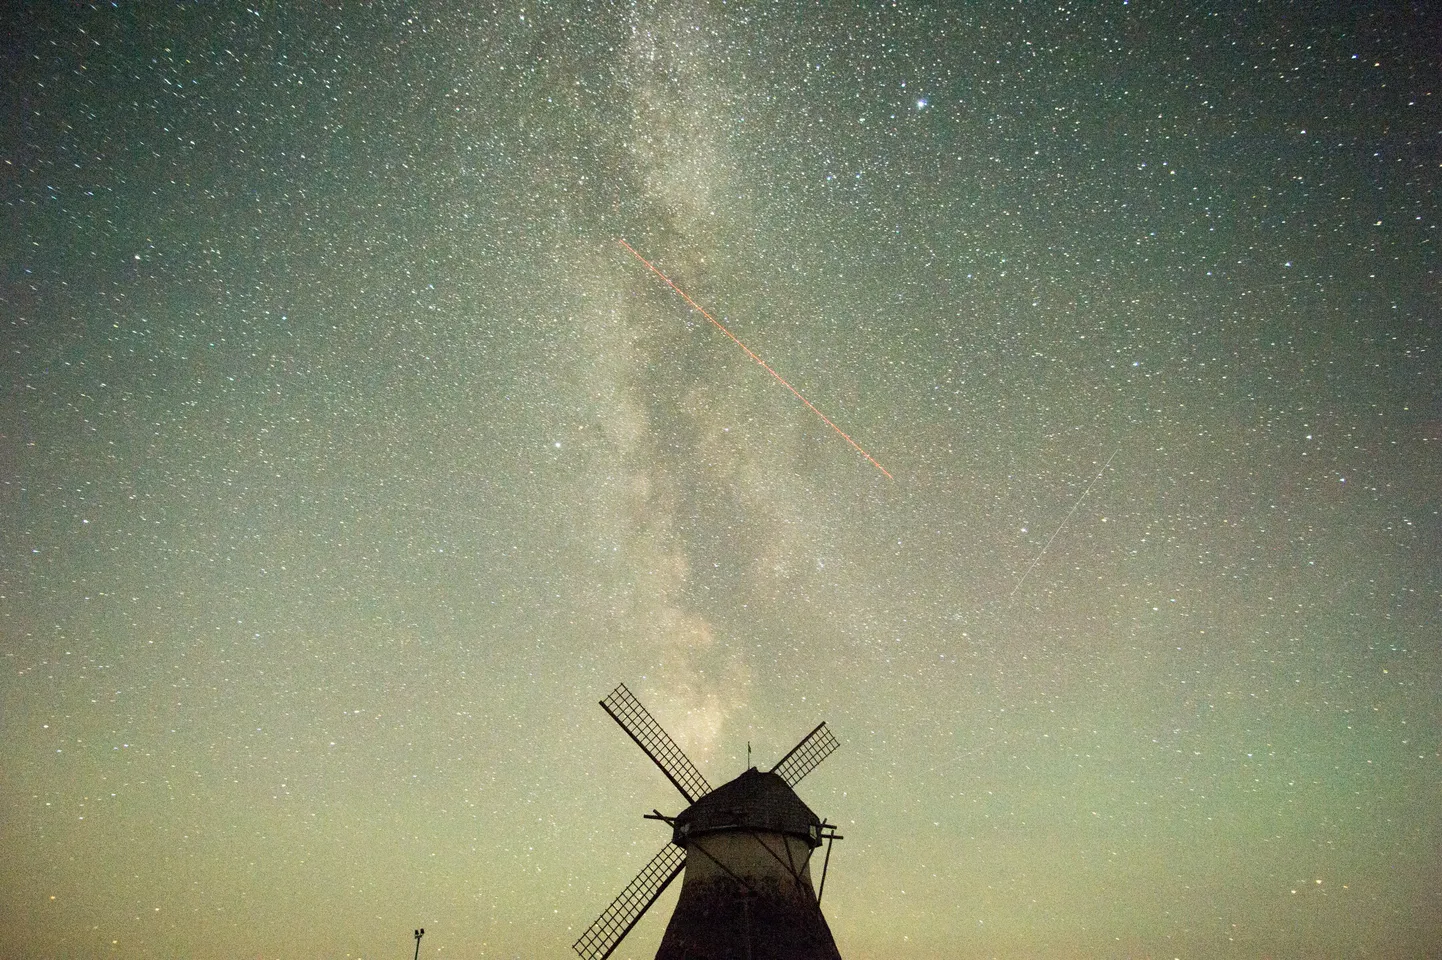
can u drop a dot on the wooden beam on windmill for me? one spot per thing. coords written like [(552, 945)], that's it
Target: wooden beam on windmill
[(641, 727), (610, 928), (804, 757)]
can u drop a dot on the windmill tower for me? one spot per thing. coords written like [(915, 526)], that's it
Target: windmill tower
[(746, 851)]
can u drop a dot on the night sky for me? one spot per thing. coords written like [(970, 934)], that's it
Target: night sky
[(347, 460)]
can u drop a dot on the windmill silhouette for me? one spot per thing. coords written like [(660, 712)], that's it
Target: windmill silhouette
[(745, 848)]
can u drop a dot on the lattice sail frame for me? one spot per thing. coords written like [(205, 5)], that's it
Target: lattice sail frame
[(803, 758), (626, 910), (656, 743)]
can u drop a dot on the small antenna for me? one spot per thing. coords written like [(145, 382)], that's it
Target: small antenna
[(419, 933), (748, 754)]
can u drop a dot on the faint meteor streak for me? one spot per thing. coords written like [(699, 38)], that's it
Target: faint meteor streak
[(1064, 520), (764, 365)]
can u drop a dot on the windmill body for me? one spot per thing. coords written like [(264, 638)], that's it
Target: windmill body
[(747, 891), (745, 849)]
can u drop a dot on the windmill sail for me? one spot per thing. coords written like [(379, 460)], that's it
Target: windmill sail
[(803, 758), (627, 711), (616, 921)]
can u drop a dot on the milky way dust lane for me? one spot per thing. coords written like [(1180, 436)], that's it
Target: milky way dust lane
[(764, 365)]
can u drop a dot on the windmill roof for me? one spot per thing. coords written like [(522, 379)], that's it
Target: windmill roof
[(753, 801)]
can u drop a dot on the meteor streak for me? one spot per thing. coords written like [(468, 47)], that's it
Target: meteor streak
[(764, 365), (1053, 536)]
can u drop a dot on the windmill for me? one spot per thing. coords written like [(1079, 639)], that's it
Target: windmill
[(745, 848)]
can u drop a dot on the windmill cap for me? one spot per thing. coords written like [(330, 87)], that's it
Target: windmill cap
[(753, 801)]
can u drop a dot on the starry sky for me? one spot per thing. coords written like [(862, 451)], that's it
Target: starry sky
[(347, 460)]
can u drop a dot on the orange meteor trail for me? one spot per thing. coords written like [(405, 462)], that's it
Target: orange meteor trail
[(764, 365)]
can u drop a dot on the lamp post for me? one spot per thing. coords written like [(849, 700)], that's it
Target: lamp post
[(419, 933)]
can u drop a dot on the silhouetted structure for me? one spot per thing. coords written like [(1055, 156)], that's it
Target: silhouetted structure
[(746, 851)]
